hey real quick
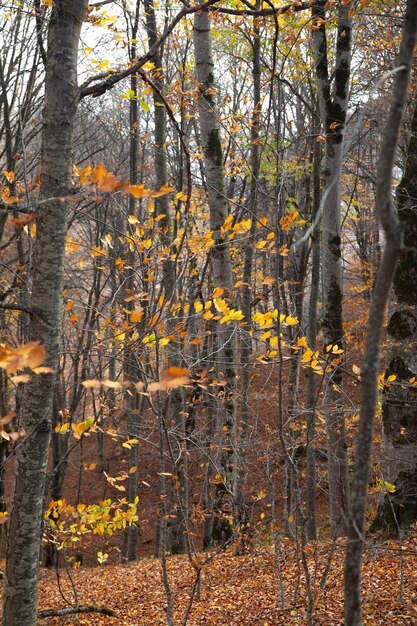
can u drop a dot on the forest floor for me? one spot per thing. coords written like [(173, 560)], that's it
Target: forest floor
[(243, 590)]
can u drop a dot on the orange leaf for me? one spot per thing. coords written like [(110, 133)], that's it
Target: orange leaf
[(172, 378), (23, 220)]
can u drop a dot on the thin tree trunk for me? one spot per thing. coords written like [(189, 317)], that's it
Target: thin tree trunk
[(131, 536), (175, 537), (311, 338), (247, 292)]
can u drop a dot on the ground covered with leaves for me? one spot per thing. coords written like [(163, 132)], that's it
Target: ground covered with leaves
[(243, 590)]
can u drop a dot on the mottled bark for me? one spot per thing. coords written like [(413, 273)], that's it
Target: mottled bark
[(394, 242), (221, 268), (61, 96), (247, 291), (334, 101), (311, 529), (399, 452)]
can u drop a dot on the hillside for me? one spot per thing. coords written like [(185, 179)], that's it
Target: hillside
[(243, 591)]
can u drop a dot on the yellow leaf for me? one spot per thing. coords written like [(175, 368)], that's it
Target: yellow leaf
[(111, 384), (291, 321), (92, 383), (98, 252), (21, 378), (236, 315), (62, 429), (10, 176), (71, 246), (42, 370)]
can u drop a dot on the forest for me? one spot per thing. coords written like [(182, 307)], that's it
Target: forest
[(208, 312)]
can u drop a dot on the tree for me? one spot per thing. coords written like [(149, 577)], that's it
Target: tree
[(369, 373), (398, 509), (334, 102), (61, 97), (221, 268)]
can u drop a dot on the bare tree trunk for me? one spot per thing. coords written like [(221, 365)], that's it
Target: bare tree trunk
[(394, 242), (333, 106), (311, 338), (399, 453), (176, 542), (221, 269), (131, 536), (247, 292), (61, 97)]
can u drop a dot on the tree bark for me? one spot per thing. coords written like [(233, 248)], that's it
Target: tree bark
[(247, 291), (394, 241), (399, 454), (311, 338), (333, 107), (61, 97), (130, 370), (221, 267)]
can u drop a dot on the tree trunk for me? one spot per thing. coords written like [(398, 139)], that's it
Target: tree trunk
[(394, 241), (221, 267), (311, 338), (247, 291), (61, 97), (130, 370), (399, 453), (333, 107)]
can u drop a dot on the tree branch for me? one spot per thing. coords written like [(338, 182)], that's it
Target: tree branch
[(105, 82), (98, 89), (17, 307), (73, 610)]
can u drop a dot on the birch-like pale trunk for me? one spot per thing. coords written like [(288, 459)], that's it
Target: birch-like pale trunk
[(221, 268), (393, 230), (334, 102), (61, 98)]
